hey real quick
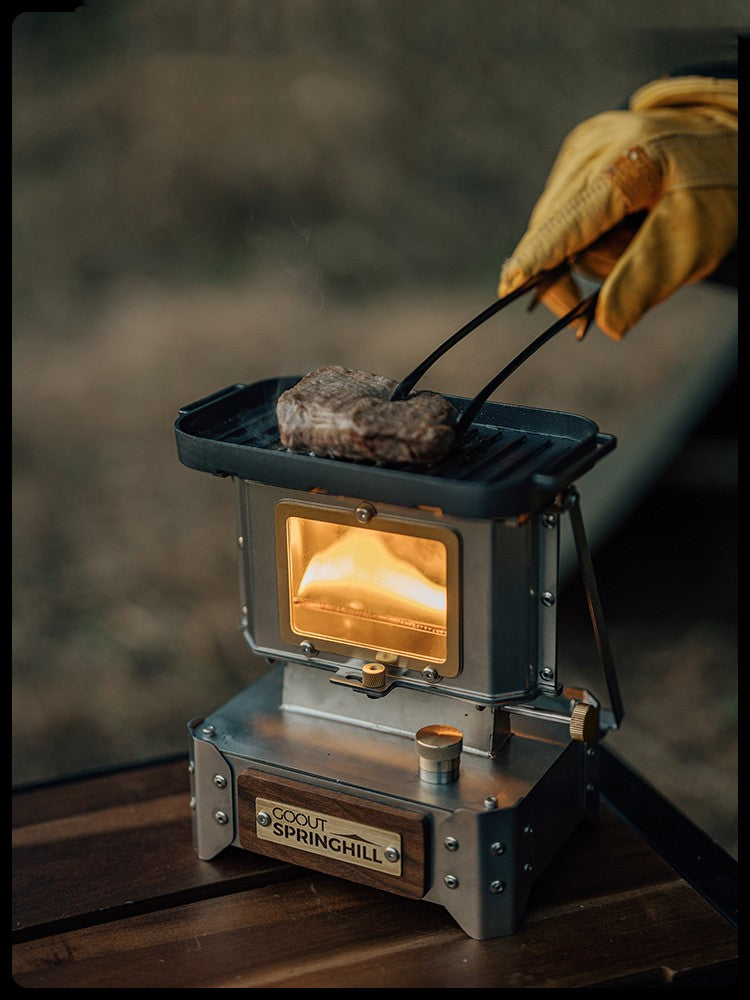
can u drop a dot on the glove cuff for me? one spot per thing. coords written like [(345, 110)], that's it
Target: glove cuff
[(705, 92)]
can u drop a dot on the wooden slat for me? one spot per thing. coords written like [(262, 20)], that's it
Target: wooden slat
[(81, 795), (317, 931), (113, 846)]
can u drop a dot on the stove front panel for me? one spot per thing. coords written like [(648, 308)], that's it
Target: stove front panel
[(464, 606)]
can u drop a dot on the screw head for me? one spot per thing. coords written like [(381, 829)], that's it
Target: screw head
[(451, 881), (546, 673), (263, 819), (548, 598), (430, 674), (528, 868), (220, 781), (497, 848), (550, 520), (209, 730), (490, 802), (307, 648), (451, 844), (528, 829), (365, 512), (497, 886), (221, 817), (391, 854)]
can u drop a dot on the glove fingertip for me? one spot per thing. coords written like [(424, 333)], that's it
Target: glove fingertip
[(561, 296), (615, 331), (511, 278), (610, 318)]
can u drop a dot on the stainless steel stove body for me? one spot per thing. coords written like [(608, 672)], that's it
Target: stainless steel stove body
[(412, 732)]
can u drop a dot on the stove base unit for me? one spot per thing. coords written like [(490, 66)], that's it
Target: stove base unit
[(351, 801)]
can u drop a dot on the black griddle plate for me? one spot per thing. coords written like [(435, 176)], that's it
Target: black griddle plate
[(513, 460)]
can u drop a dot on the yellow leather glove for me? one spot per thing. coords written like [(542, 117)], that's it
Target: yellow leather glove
[(645, 199)]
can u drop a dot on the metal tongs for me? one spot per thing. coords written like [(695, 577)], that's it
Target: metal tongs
[(584, 310)]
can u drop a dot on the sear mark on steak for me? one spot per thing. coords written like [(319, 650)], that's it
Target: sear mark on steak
[(338, 413)]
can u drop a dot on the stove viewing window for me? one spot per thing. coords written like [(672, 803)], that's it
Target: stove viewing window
[(391, 590)]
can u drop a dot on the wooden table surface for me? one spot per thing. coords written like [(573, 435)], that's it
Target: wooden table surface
[(108, 892)]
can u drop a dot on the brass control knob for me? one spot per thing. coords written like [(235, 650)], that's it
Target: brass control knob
[(373, 675), (439, 748), (584, 723)]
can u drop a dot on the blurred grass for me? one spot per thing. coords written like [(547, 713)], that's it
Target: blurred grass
[(369, 143), (225, 191)]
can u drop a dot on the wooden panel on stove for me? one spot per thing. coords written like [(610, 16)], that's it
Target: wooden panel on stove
[(314, 852)]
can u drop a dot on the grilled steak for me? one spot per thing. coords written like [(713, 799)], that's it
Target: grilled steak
[(338, 413)]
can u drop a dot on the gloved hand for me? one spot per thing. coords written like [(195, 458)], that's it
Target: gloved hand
[(645, 199)]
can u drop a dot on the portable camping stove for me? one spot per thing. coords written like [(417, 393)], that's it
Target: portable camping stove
[(412, 733)]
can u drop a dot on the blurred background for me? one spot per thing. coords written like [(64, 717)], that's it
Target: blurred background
[(226, 191)]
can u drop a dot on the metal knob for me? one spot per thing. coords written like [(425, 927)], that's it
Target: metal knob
[(373, 675), (584, 723), (439, 748)]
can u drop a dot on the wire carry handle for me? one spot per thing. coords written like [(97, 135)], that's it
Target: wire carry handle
[(584, 310)]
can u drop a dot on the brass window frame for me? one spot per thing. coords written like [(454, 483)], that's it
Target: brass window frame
[(451, 666)]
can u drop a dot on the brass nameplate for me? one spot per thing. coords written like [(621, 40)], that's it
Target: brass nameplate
[(328, 836)]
